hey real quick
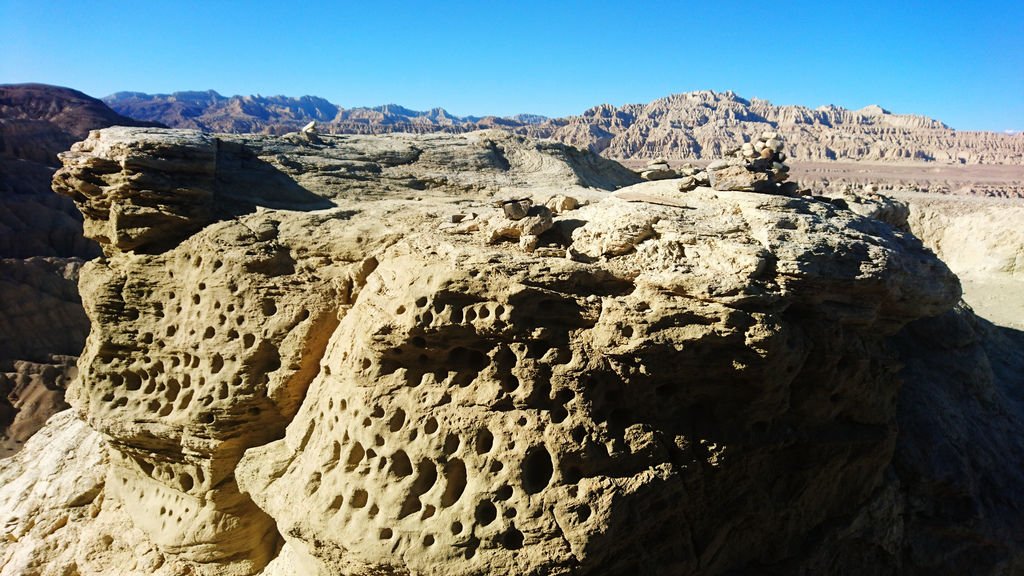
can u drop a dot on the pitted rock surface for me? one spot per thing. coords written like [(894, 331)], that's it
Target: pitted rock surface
[(316, 374), (508, 414), (42, 324)]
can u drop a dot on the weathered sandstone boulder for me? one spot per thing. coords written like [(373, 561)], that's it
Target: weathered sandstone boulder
[(515, 424), (736, 177), (301, 362), (42, 324), (658, 169)]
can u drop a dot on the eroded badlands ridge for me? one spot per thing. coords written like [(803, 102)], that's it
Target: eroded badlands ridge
[(701, 124), (336, 354)]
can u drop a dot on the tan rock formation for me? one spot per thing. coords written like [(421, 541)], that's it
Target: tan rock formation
[(658, 169), (42, 324), (318, 358), (982, 240), (56, 517), (510, 425), (181, 418)]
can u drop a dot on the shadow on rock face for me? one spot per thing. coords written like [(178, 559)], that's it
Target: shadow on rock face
[(245, 182), (961, 414)]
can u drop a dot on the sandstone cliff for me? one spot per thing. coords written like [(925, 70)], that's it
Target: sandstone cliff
[(336, 354), (42, 324), (690, 125)]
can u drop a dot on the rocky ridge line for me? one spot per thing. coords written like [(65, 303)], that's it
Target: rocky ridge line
[(692, 125)]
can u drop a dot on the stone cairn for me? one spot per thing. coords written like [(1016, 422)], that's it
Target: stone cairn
[(658, 169), (309, 134), (753, 167), (692, 177)]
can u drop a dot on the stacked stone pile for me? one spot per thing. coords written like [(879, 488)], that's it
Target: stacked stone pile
[(523, 221), (658, 169), (692, 177), (755, 167)]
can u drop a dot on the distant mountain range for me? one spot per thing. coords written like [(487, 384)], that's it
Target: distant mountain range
[(694, 125), (278, 114)]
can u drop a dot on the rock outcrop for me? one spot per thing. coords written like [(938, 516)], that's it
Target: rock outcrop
[(756, 166), (317, 357), (658, 169), (42, 324), (700, 125), (983, 242)]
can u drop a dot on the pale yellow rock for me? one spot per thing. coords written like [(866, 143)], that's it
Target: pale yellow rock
[(561, 203), (449, 423), (533, 222), (56, 516), (311, 377), (982, 241)]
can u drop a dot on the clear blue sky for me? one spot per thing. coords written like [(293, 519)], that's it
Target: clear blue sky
[(961, 62)]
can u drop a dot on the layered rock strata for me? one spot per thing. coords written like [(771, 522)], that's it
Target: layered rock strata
[(318, 357), (707, 124)]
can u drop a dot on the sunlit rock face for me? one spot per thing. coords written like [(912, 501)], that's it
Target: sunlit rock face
[(312, 354)]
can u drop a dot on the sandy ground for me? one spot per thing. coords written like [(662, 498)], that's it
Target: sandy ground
[(992, 180), (999, 302)]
